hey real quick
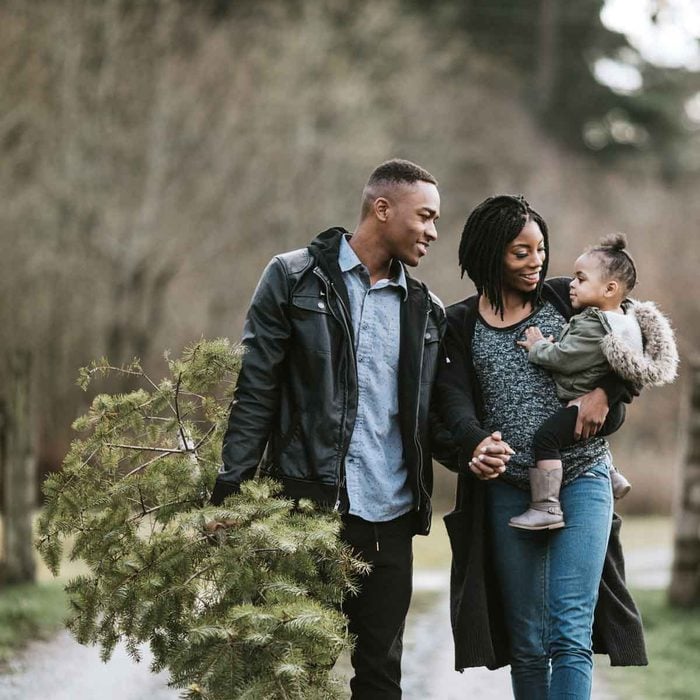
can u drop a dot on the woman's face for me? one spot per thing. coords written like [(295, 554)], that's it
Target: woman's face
[(525, 255)]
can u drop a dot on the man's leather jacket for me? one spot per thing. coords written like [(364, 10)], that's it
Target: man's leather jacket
[(296, 397)]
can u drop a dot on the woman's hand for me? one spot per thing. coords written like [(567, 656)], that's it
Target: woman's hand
[(592, 410), (490, 457)]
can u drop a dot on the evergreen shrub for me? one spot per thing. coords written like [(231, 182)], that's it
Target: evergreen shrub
[(251, 610)]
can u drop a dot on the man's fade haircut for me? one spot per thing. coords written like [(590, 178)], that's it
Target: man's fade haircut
[(491, 226), (388, 175)]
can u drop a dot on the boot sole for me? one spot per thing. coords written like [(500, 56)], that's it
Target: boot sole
[(555, 526)]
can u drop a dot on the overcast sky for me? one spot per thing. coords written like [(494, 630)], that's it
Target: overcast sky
[(672, 41)]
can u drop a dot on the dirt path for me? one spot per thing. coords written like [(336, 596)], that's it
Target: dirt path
[(62, 669)]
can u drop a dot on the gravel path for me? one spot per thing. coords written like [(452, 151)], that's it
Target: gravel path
[(61, 669)]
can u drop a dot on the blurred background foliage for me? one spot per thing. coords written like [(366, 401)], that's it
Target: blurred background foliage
[(156, 153)]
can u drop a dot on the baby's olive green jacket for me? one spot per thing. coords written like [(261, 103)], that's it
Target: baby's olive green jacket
[(588, 349)]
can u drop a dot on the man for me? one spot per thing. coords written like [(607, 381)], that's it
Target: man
[(341, 350)]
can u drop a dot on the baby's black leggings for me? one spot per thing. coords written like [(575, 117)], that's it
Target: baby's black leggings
[(557, 432)]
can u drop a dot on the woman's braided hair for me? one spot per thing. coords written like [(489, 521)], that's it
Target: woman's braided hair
[(491, 226)]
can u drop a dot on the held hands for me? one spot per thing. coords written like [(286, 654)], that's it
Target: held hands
[(533, 335), (592, 410), (490, 457)]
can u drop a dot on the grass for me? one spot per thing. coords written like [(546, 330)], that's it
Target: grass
[(646, 531), (27, 612), (34, 610), (673, 646), (672, 634)]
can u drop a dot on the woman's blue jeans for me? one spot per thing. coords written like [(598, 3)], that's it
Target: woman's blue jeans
[(549, 582)]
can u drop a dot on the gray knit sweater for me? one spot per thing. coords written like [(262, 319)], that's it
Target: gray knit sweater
[(518, 396)]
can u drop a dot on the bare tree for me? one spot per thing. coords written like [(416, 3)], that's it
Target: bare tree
[(547, 59), (18, 470), (685, 580)]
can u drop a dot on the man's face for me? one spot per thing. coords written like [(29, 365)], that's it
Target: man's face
[(411, 214)]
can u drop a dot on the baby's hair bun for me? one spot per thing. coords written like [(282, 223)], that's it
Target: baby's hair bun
[(615, 241), (616, 260)]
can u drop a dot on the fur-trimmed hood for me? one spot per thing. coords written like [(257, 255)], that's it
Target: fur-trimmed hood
[(658, 364)]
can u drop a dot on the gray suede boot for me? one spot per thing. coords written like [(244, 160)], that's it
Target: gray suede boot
[(620, 486), (545, 511)]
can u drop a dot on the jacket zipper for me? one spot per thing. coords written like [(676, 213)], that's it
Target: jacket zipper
[(416, 437), (343, 321)]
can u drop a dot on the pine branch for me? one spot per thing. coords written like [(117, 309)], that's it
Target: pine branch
[(145, 448), (184, 441), (141, 467), (272, 585), (204, 438), (155, 509)]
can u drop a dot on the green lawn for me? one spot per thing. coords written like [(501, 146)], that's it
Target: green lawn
[(672, 634), (673, 646), (29, 611), (34, 611)]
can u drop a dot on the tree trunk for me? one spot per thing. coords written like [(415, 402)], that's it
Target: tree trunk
[(19, 473), (685, 576), (547, 50)]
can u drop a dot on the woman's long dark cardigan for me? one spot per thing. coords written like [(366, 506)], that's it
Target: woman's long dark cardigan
[(478, 623)]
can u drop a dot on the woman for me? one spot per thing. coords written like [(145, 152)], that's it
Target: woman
[(520, 597)]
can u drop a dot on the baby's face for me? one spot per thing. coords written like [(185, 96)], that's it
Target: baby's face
[(588, 286)]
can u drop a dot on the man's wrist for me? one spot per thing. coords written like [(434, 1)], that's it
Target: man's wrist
[(223, 489)]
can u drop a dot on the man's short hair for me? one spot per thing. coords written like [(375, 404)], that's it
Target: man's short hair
[(389, 174)]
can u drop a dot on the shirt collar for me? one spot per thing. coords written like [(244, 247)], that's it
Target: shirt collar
[(348, 260)]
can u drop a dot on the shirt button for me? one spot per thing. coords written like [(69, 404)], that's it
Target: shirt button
[(321, 305), (360, 359), (427, 336)]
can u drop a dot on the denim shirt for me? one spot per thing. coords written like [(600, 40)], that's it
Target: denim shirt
[(375, 473)]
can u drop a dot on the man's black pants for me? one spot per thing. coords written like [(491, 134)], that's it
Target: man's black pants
[(377, 615)]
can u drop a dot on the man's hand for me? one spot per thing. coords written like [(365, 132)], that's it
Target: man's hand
[(212, 526), (592, 411), (533, 335), (490, 457)]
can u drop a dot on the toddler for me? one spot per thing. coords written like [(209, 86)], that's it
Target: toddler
[(609, 333)]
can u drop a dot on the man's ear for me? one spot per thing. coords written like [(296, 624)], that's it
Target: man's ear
[(381, 208)]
